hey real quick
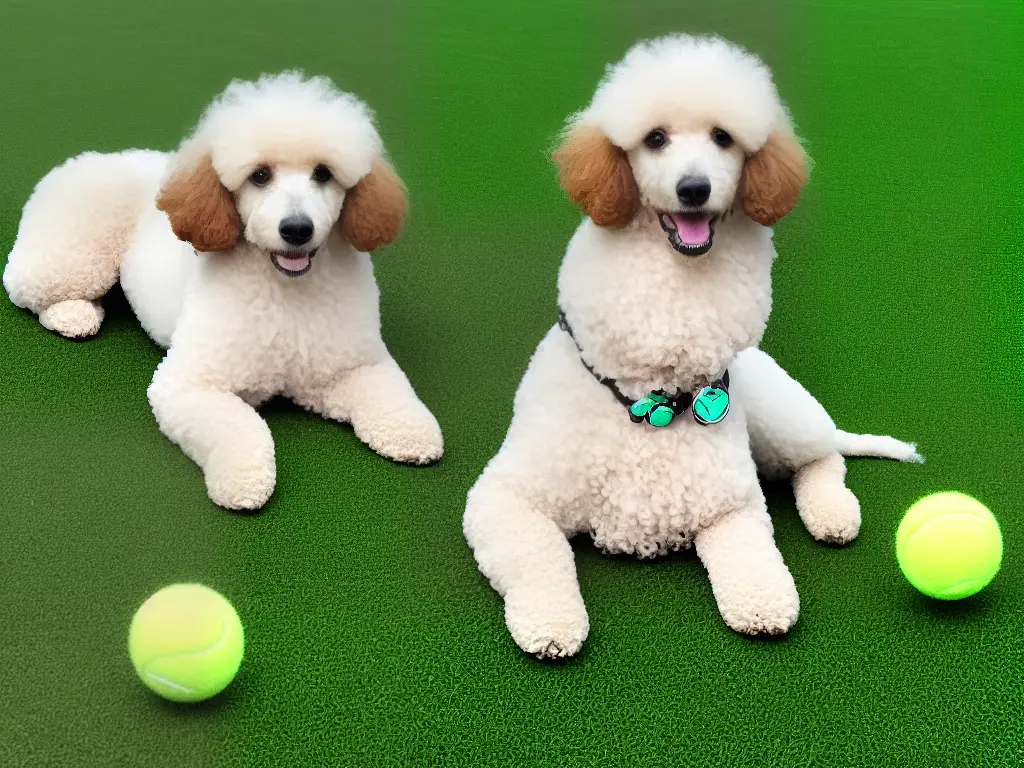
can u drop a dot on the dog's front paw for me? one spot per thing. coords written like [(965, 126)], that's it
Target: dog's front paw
[(763, 619), (240, 479), (74, 319), (407, 437), (756, 607), (545, 625)]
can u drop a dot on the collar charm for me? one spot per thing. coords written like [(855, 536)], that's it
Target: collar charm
[(657, 409), (711, 404)]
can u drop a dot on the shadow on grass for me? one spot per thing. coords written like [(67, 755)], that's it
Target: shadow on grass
[(974, 609)]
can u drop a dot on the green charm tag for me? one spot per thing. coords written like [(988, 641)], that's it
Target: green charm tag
[(710, 405), (661, 416), (645, 408)]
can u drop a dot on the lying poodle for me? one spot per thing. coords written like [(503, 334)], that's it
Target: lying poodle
[(251, 268), (639, 413)]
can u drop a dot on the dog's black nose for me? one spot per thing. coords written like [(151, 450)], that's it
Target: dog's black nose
[(296, 230), (693, 190)]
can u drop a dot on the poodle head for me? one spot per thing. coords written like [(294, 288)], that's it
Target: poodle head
[(686, 131), (281, 162)]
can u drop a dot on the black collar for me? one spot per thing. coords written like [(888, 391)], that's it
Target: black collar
[(679, 401), (563, 323)]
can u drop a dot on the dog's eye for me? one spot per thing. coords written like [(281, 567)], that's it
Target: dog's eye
[(656, 139), (260, 177), (721, 138), (322, 174)]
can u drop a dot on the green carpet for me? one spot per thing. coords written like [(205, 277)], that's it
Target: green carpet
[(372, 638)]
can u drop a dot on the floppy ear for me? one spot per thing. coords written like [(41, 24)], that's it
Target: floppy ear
[(774, 177), (597, 176), (375, 208), (200, 208)]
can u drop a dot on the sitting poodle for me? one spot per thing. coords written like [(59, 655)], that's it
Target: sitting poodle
[(646, 412), (251, 269)]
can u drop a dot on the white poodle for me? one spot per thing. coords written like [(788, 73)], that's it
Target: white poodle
[(639, 413), (251, 268)]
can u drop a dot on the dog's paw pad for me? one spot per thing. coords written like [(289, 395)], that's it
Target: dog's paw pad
[(74, 319)]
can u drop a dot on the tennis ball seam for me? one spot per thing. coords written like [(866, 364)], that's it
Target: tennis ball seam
[(972, 511), (169, 683), (944, 518), (953, 589), (225, 631)]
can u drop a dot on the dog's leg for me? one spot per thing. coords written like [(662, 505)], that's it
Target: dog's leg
[(752, 585), (792, 436), (830, 511), (529, 562), (384, 411), (220, 433)]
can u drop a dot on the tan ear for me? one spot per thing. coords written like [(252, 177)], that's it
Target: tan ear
[(375, 208), (201, 209), (774, 177), (597, 176)]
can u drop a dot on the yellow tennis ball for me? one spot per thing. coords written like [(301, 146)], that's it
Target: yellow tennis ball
[(186, 642), (949, 546)]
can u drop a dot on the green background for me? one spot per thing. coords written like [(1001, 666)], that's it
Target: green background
[(372, 638)]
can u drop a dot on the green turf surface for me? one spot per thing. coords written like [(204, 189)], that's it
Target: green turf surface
[(372, 638)]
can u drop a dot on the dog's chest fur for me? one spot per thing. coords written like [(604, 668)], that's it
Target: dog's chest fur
[(657, 487), (643, 490), (299, 332), (653, 319)]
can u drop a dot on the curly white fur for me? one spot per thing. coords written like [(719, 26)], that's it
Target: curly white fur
[(651, 318), (238, 328)]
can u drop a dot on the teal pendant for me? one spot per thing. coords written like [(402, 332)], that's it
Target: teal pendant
[(653, 409), (661, 416), (710, 405)]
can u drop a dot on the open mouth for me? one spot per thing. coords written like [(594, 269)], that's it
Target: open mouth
[(293, 263), (689, 233)]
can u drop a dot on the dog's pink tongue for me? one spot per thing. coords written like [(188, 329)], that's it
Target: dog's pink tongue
[(293, 262), (693, 230)]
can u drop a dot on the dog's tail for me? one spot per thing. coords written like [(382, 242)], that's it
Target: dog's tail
[(879, 446)]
